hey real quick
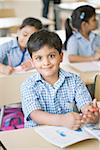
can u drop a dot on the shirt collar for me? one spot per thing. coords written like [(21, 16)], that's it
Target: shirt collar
[(15, 43), (79, 36), (62, 75)]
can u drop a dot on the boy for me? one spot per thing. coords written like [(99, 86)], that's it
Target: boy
[(49, 96)]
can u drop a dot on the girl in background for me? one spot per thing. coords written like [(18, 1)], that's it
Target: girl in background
[(81, 43)]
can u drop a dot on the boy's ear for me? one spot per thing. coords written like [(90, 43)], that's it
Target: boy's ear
[(61, 56)]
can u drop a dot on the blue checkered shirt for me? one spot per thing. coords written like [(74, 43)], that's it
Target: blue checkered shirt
[(60, 98)]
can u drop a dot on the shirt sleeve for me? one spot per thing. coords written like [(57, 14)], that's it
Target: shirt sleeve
[(82, 96), (29, 99), (4, 50), (97, 42), (72, 46)]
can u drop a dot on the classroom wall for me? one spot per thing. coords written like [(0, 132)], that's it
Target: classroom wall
[(25, 8)]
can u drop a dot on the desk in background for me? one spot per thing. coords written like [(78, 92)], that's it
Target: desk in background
[(7, 23), (87, 76), (27, 139)]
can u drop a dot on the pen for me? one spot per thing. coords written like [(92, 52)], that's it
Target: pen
[(95, 109), (1, 145)]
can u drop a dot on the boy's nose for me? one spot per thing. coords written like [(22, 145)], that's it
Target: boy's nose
[(46, 61)]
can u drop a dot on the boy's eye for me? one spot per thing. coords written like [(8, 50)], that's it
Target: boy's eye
[(39, 58), (51, 55)]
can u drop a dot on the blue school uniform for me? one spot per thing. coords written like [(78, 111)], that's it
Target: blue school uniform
[(11, 54), (67, 92), (78, 45)]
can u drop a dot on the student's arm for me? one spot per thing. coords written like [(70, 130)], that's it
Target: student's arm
[(88, 113), (32, 108), (84, 102), (73, 52), (70, 120), (6, 69), (27, 65), (76, 58), (4, 50)]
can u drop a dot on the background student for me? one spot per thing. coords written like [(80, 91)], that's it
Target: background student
[(50, 96), (14, 55), (81, 43)]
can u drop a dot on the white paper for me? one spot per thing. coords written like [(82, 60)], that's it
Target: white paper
[(61, 136)]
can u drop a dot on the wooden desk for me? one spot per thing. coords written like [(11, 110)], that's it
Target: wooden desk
[(7, 23), (27, 139), (88, 76), (69, 7)]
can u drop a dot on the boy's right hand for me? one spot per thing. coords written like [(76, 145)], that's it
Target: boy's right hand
[(73, 120)]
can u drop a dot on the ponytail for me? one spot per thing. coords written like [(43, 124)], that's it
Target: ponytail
[(68, 31)]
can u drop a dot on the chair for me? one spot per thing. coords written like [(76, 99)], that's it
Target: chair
[(10, 90), (97, 87)]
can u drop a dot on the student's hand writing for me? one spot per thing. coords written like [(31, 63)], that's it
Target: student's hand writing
[(73, 120), (88, 114), (7, 69), (27, 65), (96, 56)]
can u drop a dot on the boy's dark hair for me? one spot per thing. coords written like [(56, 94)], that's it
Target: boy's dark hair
[(32, 22), (41, 38), (80, 14)]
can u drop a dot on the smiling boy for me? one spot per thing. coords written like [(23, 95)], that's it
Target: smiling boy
[(50, 96)]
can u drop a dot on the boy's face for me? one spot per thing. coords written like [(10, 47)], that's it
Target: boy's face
[(24, 34), (46, 62)]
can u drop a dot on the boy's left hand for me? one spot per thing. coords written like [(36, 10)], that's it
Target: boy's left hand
[(89, 115)]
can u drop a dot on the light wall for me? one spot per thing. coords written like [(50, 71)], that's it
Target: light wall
[(25, 8)]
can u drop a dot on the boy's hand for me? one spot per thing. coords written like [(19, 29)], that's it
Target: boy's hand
[(88, 113), (73, 120)]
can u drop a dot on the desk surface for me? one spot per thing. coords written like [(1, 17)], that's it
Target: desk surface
[(27, 139), (87, 76), (74, 5), (6, 23)]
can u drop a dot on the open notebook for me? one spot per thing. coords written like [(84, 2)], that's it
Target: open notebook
[(63, 137)]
